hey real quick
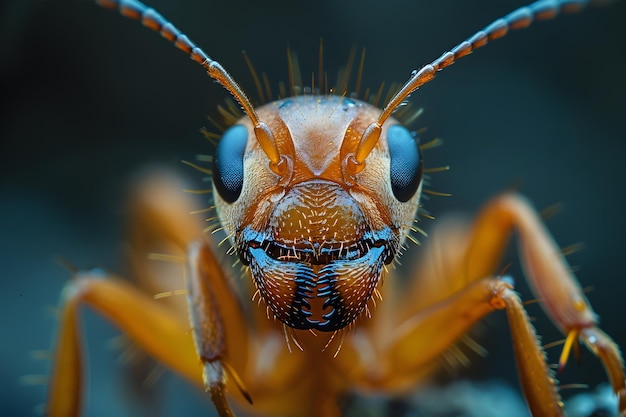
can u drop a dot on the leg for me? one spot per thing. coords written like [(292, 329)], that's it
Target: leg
[(217, 344), (209, 334), (550, 278), (201, 356), (417, 343), (149, 324), (161, 223), (420, 337)]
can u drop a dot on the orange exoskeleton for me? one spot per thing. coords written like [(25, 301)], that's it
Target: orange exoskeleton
[(317, 194)]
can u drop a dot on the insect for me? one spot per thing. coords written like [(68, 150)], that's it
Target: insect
[(330, 308)]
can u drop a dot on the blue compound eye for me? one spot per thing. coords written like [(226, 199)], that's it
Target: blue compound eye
[(406, 162), (228, 163)]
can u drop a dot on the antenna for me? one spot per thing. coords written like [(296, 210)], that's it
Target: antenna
[(150, 18), (518, 19)]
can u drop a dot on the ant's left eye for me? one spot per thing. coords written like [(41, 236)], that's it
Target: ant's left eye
[(406, 162), (228, 163)]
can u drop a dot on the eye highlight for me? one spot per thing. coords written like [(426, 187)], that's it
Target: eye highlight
[(405, 162), (228, 163)]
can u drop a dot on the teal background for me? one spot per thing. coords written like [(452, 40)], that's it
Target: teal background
[(89, 99)]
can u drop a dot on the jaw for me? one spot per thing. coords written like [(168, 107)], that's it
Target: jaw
[(317, 258), (321, 297)]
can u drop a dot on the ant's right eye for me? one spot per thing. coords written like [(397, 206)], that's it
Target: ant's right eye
[(228, 163), (406, 163)]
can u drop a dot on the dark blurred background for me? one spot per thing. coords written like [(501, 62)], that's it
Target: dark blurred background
[(89, 99)]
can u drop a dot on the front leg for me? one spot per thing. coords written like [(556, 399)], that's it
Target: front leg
[(550, 278), (207, 324), (149, 324), (200, 355), (464, 294), (208, 355)]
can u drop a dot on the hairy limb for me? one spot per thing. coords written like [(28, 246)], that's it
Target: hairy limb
[(150, 325), (552, 282), (160, 222), (425, 334)]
